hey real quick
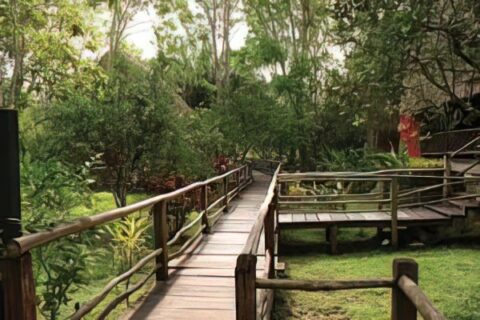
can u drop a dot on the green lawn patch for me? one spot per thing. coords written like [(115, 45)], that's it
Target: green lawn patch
[(449, 275), (104, 201)]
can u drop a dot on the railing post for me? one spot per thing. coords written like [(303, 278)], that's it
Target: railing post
[(446, 173), (17, 287), (394, 211), (225, 194), (402, 307), (204, 207), (160, 224), (381, 187), (245, 291), (269, 225)]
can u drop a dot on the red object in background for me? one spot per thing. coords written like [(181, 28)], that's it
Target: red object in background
[(221, 164), (410, 134)]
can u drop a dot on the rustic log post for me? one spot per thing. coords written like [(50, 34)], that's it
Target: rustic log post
[(225, 194), (284, 188), (160, 224), (17, 287), (381, 187), (402, 307), (394, 211), (245, 291), (332, 237), (446, 173), (269, 225), (204, 207)]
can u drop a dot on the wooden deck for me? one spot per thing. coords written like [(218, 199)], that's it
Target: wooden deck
[(202, 283), (415, 216)]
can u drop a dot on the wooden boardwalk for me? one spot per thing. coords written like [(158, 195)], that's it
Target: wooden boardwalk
[(202, 283)]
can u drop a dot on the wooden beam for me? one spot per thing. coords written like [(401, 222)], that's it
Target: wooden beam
[(160, 226), (245, 291), (17, 289), (302, 285), (332, 238), (394, 211)]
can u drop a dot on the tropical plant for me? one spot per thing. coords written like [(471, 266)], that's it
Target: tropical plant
[(129, 240)]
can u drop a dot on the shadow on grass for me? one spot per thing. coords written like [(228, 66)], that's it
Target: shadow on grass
[(308, 242)]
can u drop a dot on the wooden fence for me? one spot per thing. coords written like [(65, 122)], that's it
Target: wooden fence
[(17, 280), (254, 295)]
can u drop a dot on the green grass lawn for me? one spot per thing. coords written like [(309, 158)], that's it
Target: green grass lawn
[(104, 201), (449, 275)]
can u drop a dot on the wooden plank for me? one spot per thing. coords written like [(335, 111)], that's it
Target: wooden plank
[(376, 216), (181, 302), (340, 217), (236, 227), (311, 217), (212, 272), (226, 237), (193, 291), (355, 217), (201, 281), (172, 314), (324, 217), (298, 217), (285, 218), (449, 211)]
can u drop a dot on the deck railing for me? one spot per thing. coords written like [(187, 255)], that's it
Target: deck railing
[(379, 191), (254, 294), (17, 279)]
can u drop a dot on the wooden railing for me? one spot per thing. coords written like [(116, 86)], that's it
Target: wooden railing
[(16, 270), (454, 142), (246, 267), (407, 296)]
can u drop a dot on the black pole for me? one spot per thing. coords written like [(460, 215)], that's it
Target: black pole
[(10, 217)]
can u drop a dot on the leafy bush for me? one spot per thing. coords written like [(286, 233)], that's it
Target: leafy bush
[(359, 160), (425, 163)]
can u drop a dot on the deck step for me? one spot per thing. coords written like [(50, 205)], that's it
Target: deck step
[(467, 203), (447, 210)]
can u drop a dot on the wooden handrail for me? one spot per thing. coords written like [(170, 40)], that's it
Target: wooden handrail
[(254, 235), (468, 144), (357, 173), (325, 285), (368, 177), (25, 243)]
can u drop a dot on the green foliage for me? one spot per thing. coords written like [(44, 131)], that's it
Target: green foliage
[(128, 239), (63, 270), (359, 160), (425, 163), (51, 187)]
